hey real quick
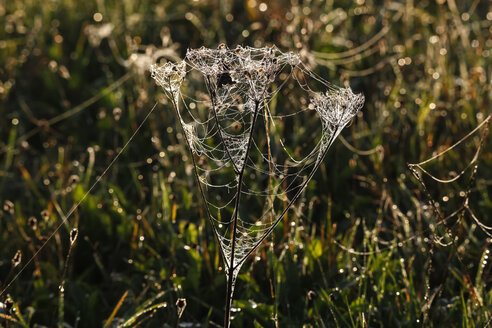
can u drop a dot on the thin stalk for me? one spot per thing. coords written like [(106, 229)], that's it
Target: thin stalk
[(231, 269), (272, 216), (61, 297)]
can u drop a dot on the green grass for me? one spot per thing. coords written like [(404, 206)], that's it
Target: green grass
[(362, 251)]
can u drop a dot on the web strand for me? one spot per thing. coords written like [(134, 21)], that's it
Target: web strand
[(76, 205)]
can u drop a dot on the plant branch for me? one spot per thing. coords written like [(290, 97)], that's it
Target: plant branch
[(232, 268)]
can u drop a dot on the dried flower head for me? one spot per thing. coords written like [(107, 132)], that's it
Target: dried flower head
[(180, 306), (45, 214), (32, 222), (17, 259), (73, 235), (253, 68), (8, 207), (7, 306), (117, 113), (74, 179), (337, 107), (169, 76), (97, 33)]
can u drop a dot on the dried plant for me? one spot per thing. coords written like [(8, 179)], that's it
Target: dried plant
[(226, 145)]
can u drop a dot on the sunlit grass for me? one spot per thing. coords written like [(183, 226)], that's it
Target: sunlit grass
[(358, 251)]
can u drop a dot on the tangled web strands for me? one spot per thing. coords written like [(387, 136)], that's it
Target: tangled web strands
[(245, 169)]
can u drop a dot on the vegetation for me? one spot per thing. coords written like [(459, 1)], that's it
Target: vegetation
[(372, 242)]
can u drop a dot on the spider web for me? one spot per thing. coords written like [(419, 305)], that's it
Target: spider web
[(465, 178), (421, 171), (447, 217), (241, 129)]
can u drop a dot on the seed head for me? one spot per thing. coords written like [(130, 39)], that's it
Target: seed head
[(45, 214), (73, 235), (17, 259), (338, 107), (180, 306), (169, 76), (8, 207), (32, 222), (117, 113), (73, 179), (7, 306)]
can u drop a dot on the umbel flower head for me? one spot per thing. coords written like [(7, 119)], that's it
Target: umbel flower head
[(337, 107), (169, 76), (242, 67)]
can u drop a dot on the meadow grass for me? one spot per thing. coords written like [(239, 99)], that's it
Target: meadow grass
[(364, 247)]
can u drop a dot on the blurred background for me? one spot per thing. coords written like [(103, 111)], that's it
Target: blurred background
[(369, 245)]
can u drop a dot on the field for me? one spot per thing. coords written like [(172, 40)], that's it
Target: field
[(102, 223)]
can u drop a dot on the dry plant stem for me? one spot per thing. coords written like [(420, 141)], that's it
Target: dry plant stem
[(61, 311), (272, 216), (231, 269)]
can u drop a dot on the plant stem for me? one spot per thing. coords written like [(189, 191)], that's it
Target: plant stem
[(231, 268)]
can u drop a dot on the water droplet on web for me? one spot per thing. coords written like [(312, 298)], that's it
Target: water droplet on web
[(235, 311)]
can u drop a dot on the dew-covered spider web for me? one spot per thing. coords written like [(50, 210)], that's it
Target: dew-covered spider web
[(430, 176), (447, 191), (258, 123)]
